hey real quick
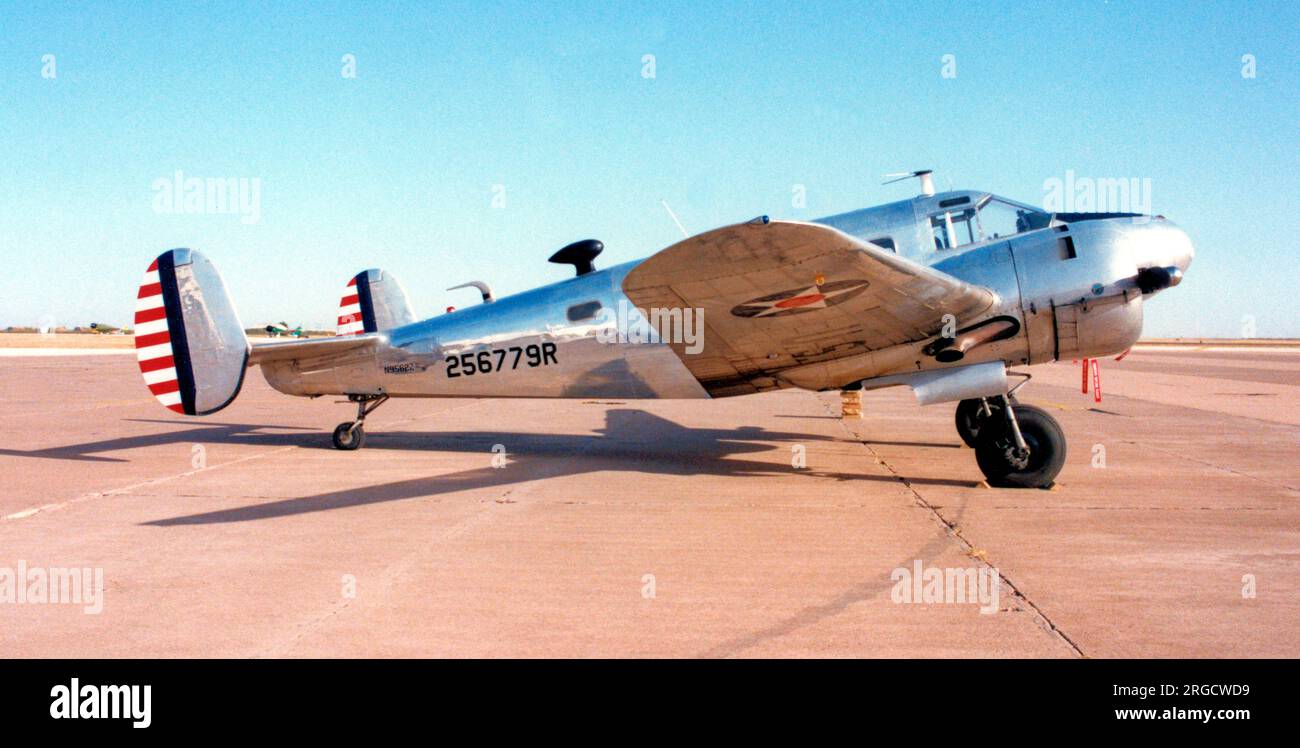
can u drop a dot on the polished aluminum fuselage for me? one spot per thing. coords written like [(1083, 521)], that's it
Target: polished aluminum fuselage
[(1066, 306)]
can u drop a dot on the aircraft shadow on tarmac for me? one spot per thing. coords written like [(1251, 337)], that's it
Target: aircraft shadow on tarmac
[(190, 432), (632, 441)]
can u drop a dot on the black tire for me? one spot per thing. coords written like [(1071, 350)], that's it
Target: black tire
[(995, 451), (348, 438), (969, 418)]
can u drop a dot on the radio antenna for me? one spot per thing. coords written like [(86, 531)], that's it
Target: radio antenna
[(927, 181), (686, 234)]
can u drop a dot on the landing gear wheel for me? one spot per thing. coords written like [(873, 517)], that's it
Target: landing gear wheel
[(351, 434), (970, 417), (347, 437), (1004, 464)]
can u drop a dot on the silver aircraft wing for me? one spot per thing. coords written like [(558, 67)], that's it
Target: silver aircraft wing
[(777, 295)]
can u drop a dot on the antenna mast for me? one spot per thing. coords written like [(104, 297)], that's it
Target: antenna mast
[(925, 175)]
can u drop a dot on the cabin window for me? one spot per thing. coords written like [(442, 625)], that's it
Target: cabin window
[(587, 310), (884, 242)]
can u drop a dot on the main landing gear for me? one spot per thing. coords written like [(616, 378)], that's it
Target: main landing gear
[(1016, 445), (971, 414), (350, 435)]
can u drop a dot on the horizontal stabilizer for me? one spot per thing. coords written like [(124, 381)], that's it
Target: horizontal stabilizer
[(298, 350)]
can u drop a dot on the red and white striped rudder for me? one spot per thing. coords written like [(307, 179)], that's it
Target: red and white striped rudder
[(153, 347), (190, 345), (373, 301)]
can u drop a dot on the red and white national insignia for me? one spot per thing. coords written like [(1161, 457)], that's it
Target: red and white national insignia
[(800, 300)]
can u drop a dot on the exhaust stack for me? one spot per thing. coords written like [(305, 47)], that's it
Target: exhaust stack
[(954, 349)]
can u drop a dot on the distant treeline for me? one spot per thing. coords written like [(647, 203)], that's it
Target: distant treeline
[(64, 330)]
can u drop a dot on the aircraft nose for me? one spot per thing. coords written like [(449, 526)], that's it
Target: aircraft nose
[(1181, 248), (1165, 253), (1181, 251)]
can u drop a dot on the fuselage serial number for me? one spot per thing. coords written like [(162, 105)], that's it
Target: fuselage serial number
[(496, 359)]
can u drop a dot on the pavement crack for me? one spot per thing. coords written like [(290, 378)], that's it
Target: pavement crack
[(952, 530), (981, 556)]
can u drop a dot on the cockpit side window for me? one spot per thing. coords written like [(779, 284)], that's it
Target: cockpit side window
[(1000, 219), (954, 228), (992, 218)]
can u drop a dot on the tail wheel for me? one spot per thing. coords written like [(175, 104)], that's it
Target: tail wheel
[(1004, 464), (970, 416), (349, 437)]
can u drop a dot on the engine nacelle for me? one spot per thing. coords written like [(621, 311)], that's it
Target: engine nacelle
[(1099, 327)]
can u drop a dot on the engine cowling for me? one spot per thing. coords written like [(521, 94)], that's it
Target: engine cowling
[(1099, 327)]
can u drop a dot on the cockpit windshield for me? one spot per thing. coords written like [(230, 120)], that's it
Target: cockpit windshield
[(991, 218)]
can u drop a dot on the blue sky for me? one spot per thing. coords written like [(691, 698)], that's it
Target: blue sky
[(397, 167)]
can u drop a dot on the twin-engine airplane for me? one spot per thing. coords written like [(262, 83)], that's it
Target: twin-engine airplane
[(941, 293)]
